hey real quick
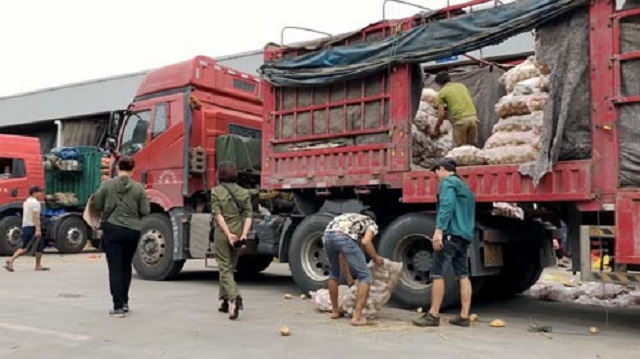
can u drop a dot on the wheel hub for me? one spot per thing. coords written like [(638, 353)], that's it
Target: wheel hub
[(314, 260), (74, 236), (14, 236), (422, 261), (152, 247), (415, 252)]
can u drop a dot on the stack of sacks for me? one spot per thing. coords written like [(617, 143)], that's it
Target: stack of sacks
[(426, 151), (516, 137)]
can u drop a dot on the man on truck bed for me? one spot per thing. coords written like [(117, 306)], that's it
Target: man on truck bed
[(342, 240), (31, 232), (455, 227), (462, 111)]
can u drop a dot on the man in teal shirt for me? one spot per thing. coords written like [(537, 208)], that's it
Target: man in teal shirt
[(455, 229)]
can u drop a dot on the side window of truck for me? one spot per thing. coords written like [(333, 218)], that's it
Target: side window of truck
[(12, 168), (160, 122), (134, 136)]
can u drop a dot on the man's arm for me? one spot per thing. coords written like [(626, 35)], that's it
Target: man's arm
[(35, 216), (367, 243), (442, 114), (98, 198), (248, 217), (445, 207)]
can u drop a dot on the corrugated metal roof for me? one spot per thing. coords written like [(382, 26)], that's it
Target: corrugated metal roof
[(92, 97)]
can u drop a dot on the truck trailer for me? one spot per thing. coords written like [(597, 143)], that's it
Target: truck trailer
[(335, 137)]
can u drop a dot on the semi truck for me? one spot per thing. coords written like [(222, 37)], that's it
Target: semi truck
[(67, 183), (185, 113)]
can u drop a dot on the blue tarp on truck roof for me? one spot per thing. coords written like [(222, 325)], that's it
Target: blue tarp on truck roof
[(424, 43)]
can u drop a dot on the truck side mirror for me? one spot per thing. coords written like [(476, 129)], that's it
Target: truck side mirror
[(111, 144)]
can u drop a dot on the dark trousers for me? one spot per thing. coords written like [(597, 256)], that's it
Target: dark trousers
[(120, 245)]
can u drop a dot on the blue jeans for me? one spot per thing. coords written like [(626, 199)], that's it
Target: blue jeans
[(455, 250), (336, 242)]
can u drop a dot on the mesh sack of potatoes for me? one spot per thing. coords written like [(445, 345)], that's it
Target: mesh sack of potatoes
[(530, 86), (510, 155), (384, 280), (523, 71), (467, 156), (515, 105), (425, 150), (530, 122), (503, 139), (429, 96)]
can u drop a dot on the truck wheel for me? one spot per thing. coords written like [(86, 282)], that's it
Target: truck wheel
[(250, 265), (407, 240), (10, 234), (72, 235), (307, 260), (154, 257), (513, 279)]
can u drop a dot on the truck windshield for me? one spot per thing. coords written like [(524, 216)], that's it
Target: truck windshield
[(134, 136)]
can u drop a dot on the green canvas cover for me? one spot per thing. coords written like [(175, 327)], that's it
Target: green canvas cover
[(243, 151)]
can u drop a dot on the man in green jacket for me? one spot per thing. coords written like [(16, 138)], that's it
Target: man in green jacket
[(455, 227)]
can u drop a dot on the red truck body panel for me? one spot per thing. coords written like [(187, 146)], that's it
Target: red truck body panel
[(218, 97), (27, 151), (381, 104)]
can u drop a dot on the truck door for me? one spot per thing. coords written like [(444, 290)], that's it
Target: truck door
[(14, 184), (134, 138)]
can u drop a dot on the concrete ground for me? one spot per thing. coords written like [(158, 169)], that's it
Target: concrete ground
[(63, 314)]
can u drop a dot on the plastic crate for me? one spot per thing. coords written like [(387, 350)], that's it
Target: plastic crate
[(83, 183)]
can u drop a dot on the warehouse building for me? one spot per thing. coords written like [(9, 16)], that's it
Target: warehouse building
[(77, 114)]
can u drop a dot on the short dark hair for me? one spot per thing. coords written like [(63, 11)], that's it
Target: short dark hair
[(369, 213), (34, 189), (447, 163), (443, 78), (126, 163), (228, 172)]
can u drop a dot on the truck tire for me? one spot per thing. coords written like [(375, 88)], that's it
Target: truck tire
[(154, 258), (10, 234), (72, 235), (251, 265), (307, 260), (514, 279), (407, 240)]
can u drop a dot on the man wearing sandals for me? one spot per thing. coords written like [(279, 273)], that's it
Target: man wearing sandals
[(455, 227), (31, 232), (342, 239)]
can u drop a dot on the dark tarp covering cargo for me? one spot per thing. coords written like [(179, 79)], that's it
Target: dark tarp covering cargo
[(421, 44), (243, 151)]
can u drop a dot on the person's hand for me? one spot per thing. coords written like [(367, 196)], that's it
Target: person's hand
[(244, 239), (437, 240), (556, 245), (379, 261), (38, 233), (232, 238)]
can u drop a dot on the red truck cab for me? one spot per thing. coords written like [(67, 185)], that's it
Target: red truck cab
[(21, 167), (170, 130)]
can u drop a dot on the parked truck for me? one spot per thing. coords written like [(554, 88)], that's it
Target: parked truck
[(68, 180), (185, 114)]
